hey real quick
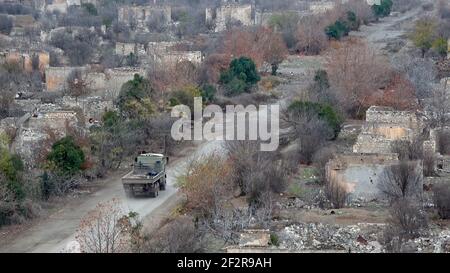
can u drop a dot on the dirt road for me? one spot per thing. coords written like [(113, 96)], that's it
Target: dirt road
[(56, 232), (388, 29)]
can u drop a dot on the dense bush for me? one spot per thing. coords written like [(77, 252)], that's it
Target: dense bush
[(6, 24), (135, 98), (240, 76), (322, 111), (337, 30), (441, 193), (384, 9), (66, 156)]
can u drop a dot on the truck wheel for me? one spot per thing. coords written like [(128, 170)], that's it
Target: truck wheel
[(162, 186)]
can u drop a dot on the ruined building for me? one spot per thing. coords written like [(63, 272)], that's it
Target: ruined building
[(359, 173), (229, 14), (139, 17), (384, 126)]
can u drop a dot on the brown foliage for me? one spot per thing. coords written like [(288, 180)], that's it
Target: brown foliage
[(103, 230), (399, 94), (205, 183), (179, 235), (355, 72)]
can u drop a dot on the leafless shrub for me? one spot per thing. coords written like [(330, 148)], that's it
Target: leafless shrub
[(310, 132), (310, 35), (77, 84), (355, 71), (429, 163), (420, 72), (444, 142), (404, 5), (179, 235), (402, 180), (255, 172), (441, 195), (336, 193), (320, 159), (407, 221), (408, 150), (103, 229)]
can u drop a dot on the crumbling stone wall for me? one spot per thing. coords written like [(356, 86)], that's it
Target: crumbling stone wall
[(36, 128), (360, 174), (116, 77), (25, 60), (321, 7), (385, 125), (174, 57), (139, 16), (93, 108), (56, 77), (228, 13), (125, 49)]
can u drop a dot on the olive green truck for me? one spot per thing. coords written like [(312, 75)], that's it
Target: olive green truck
[(148, 176)]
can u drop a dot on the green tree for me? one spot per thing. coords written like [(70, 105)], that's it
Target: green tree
[(384, 9), (135, 98), (440, 47), (240, 77), (323, 111), (11, 167), (337, 30), (90, 8), (66, 156), (423, 35), (208, 93)]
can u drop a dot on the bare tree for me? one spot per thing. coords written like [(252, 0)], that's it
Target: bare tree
[(408, 150), (444, 142), (310, 35), (402, 180), (179, 235), (336, 193), (103, 229), (439, 106), (320, 159), (77, 84), (309, 131), (420, 72), (407, 221), (441, 196), (355, 72)]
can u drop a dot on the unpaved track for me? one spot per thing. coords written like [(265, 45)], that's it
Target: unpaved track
[(387, 29), (56, 232)]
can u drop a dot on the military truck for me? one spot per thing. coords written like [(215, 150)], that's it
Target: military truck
[(148, 176)]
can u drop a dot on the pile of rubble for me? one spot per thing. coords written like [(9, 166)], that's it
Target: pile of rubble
[(354, 238), (360, 238)]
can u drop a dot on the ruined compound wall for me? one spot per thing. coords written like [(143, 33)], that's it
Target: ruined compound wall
[(360, 175), (116, 77), (93, 107), (56, 77), (125, 49), (233, 12), (141, 15), (321, 7), (407, 119), (384, 126), (174, 57), (36, 129)]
